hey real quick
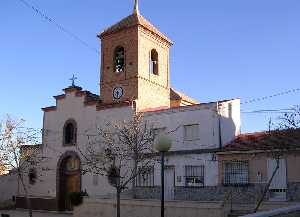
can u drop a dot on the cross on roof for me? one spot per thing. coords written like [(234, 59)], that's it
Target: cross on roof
[(136, 7), (73, 79)]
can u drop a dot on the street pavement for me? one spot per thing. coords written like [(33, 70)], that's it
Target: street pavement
[(24, 213)]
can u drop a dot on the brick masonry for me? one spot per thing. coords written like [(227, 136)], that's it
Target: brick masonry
[(138, 84)]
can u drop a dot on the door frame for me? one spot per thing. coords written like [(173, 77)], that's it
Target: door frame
[(280, 191), (61, 179), (172, 167)]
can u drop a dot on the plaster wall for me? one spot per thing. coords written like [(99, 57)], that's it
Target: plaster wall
[(8, 187)]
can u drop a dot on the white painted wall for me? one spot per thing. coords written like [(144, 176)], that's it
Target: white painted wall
[(210, 126), (179, 162), (8, 187), (88, 119)]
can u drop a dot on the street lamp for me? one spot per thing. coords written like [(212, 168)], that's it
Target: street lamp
[(163, 145)]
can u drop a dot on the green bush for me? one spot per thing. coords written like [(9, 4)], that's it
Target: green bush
[(76, 198)]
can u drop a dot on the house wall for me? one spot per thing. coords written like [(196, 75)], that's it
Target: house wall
[(258, 164), (8, 187), (174, 120), (180, 161), (293, 167)]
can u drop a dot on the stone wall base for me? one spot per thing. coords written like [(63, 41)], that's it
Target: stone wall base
[(48, 204), (150, 208), (249, 194)]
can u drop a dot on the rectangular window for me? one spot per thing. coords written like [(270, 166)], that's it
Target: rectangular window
[(236, 173), (191, 132), (145, 177), (194, 176)]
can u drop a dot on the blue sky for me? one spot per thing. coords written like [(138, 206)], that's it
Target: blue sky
[(223, 49)]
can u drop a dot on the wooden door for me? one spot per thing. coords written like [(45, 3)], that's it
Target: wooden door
[(73, 183)]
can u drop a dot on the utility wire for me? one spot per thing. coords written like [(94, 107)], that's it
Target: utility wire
[(270, 111), (59, 26), (271, 96)]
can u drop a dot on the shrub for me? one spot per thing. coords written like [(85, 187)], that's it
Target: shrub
[(76, 198)]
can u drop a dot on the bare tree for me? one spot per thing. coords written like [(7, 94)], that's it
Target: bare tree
[(282, 138), (18, 154), (121, 152)]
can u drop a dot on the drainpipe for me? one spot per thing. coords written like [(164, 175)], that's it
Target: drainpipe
[(219, 125)]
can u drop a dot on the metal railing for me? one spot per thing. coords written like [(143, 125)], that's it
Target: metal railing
[(228, 200)]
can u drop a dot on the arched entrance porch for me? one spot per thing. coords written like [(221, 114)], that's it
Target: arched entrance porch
[(68, 179)]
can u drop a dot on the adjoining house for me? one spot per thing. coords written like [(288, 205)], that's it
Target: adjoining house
[(248, 163)]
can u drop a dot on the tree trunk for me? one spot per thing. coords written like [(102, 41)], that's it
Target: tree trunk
[(267, 187), (135, 169), (118, 202), (28, 202)]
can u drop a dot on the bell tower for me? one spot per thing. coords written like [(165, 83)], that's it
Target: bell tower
[(135, 63)]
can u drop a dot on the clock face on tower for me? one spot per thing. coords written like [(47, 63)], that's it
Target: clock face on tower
[(118, 92)]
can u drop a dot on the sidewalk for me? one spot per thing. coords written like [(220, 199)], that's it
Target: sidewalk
[(24, 213)]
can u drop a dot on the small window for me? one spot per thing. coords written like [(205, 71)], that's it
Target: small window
[(194, 176), (145, 177), (119, 59), (70, 133), (154, 62), (191, 132), (236, 173)]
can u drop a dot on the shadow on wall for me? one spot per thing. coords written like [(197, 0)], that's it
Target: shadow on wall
[(228, 130)]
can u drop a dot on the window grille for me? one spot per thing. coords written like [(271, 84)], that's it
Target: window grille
[(194, 176), (236, 173), (145, 177)]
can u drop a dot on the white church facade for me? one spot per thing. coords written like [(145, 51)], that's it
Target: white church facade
[(135, 77)]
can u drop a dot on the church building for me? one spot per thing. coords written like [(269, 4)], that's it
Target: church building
[(135, 77)]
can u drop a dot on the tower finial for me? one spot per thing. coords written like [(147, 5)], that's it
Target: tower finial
[(136, 7)]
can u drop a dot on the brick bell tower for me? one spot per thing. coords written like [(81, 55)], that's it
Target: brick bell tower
[(135, 63)]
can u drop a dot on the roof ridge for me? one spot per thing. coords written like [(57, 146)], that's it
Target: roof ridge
[(130, 21)]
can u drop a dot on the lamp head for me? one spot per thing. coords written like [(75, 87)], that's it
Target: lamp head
[(163, 143)]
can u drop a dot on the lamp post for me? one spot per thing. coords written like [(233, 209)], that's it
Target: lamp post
[(163, 145)]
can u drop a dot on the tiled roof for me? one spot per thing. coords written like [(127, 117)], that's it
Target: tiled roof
[(134, 20), (279, 139), (176, 95)]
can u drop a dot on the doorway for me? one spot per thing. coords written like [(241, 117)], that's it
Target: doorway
[(69, 181), (278, 187), (169, 182)]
